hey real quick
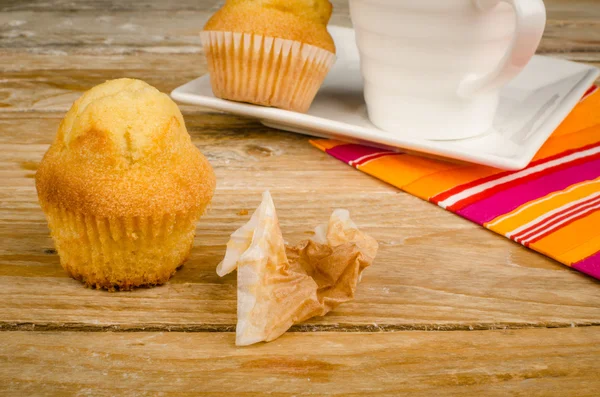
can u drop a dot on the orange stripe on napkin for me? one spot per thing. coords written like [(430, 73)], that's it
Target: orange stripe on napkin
[(552, 206)]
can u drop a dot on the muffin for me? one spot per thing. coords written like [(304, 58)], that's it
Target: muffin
[(122, 187), (269, 52)]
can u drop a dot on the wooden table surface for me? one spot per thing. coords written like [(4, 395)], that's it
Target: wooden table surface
[(448, 308)]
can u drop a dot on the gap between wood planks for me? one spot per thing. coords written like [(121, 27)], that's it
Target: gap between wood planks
[(345, 328)]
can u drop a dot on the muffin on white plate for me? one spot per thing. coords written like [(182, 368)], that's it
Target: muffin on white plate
[(269, 52)]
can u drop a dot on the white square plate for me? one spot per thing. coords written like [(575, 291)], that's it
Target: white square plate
[(531, 108)]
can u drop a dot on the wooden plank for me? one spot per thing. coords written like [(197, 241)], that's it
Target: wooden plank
[(111, 5), (112, 27), (572, 10), (434, 270), (557, 9), (43, 82), (546, 362), (50, 83)]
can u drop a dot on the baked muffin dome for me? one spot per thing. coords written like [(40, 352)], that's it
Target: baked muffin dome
[(304, 21), (122, 186)]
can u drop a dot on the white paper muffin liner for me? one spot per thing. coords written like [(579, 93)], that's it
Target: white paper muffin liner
[(121, 252), (266, 71)]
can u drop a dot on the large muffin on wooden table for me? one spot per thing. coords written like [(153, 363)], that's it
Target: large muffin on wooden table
[(269, 52), (123, 186)]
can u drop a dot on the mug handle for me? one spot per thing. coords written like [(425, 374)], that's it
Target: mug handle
[(530, 25)]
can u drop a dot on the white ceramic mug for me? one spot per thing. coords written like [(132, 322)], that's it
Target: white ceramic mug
[(434, 68)]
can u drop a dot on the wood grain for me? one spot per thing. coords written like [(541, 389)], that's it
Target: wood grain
[(117, 27), (492, 363), (557, 9), (50, 83), (521, 323), (434, 270), (43, 82)]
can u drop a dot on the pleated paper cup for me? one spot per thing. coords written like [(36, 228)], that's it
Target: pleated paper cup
[(120, 253), (266, 71)]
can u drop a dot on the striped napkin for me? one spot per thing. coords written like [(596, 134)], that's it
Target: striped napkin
[(552, 206)]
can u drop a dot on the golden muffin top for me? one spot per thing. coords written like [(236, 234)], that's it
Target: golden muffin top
[(299, 20), (123, 150)]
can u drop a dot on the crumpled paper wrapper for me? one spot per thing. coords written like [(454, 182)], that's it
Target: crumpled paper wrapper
[(280, 286)]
